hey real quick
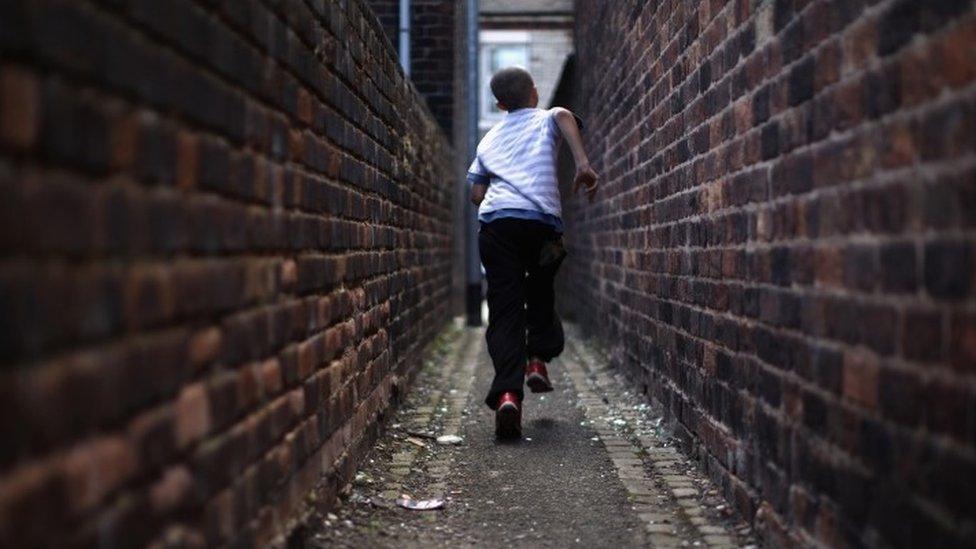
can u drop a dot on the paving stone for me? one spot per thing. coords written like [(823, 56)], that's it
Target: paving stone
[(661, 528), (656, 518), (663, 540)]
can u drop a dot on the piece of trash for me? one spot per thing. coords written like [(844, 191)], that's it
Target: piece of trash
[(416, 442), (420, 504), (595, 439), (528, 439), (619, 422), (449, 439)]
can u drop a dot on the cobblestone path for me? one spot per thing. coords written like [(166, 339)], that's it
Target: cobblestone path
[(595, 467)]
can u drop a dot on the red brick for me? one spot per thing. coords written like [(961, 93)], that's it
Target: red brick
[(20, 107), (954, 54), (149, 297), (304, 106), (219, 517), (124, 141), (899, 146), (289, 274), (192, 415), (859, 45), (919, 81), (151, 434), (249, 385), (963, 342), (828, 65), (187, 160), (172, 491), (204, 347), (96, 468), (271, 377), (861, 378)]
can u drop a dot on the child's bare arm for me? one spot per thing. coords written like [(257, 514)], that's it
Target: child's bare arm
[(478, 193), (585, 176)]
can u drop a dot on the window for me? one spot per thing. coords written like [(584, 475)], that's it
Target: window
[(499, 49)]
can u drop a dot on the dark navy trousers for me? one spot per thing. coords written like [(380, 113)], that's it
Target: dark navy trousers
[(522, 320)]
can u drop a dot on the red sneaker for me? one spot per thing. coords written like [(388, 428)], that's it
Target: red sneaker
[(536, 377), (508, 417)]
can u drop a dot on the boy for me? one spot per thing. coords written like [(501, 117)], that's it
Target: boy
[(513, 181)]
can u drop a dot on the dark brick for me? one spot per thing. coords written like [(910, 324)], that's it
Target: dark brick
[(899, 269), (73, 130), (922, 336), (156, 153), (782, 14), (704, 77), (897, 26), (770, 140), (860, 267), (934, 15), (760, 105), (949, 269), (791, 43), (801, 81), (883, 93)]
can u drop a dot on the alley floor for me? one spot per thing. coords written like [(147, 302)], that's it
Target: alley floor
[(594, 468)]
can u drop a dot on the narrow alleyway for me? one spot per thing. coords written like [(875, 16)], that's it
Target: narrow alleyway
[(595, 468)]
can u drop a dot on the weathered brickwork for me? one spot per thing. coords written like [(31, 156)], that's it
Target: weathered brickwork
[(388, 13), (225, 237), (434, 43), (783, 250)]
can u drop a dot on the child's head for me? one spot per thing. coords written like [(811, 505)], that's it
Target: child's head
[(514, 89)]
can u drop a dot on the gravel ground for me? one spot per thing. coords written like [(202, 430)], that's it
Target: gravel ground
[(557, 487)]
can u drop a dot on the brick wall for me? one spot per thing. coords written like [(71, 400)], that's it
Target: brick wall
[(434, 44), (433, 47), (784, 250), (225, 237), (388, 13)]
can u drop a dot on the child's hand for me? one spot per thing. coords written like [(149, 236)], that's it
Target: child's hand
[(586, 178)]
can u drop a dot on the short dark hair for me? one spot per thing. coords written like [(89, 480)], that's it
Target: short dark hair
[(512, 87)]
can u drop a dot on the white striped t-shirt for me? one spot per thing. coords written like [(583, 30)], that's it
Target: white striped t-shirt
[(517, 160)]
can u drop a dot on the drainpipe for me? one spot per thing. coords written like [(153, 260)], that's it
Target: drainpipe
[(472, 260), (405, 36)]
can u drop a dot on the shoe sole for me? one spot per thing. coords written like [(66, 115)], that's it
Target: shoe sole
[(538, 384), (507, 424)]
